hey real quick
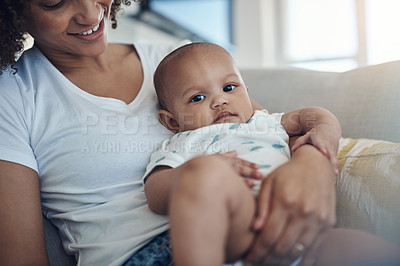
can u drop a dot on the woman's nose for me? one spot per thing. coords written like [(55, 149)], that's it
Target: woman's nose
[(88, 12)]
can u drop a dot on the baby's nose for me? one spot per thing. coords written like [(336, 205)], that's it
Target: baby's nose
[(220, 101)]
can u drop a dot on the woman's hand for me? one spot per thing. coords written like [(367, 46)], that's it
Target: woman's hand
[(295, 205), (325, 139)]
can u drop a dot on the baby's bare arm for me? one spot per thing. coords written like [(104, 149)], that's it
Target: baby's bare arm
[(157, 188), (301, 121), (318, 127)]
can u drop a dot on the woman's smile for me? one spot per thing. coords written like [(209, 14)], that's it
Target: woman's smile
[(91, 34)]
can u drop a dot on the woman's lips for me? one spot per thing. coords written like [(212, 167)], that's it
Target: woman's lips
[(94, 35)]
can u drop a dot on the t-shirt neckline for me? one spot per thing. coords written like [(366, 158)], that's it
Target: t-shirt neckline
[(104, 101)]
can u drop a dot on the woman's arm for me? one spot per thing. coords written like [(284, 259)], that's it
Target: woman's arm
[(21, 225)]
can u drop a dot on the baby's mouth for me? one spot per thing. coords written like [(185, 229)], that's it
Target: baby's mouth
[(223, 116)]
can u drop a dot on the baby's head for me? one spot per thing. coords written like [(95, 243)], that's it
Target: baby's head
[(198, 85)]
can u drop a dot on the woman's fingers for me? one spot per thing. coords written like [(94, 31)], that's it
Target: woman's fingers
[(329, 149), (300, 141), (284, 243), (301, 204), (290, 237), (264, 243), (332, 156), (309, 257), (299, 240), (264, 198), (285, 247)]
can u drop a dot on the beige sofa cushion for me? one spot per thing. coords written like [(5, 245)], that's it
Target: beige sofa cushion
[(368, 187), (365, 100)]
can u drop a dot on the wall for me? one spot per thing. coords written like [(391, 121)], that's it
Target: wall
[(254, 24)]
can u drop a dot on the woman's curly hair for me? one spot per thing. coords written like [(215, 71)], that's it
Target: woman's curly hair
[(13, 31)]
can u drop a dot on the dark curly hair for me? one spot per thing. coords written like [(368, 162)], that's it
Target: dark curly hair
[(13, 32)]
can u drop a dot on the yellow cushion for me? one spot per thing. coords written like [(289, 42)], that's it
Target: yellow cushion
[(368, 187)]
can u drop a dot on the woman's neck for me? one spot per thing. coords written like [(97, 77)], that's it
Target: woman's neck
[(69, 63), (116, 73)]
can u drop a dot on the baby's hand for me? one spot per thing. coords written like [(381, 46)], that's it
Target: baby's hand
[(248, 170), (324, 140)]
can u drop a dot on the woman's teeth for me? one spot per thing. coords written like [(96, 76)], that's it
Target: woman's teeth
[(90, 31)]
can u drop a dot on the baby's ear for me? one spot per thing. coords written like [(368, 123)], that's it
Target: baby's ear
[(168, 120)]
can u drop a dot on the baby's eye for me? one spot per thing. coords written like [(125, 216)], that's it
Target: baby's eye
[(229, 87), (197, 98)]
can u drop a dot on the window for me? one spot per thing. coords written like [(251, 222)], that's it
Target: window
[(197, 20), (337, 35), (383, 38)]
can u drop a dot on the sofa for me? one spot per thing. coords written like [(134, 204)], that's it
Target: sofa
[(367, 103)]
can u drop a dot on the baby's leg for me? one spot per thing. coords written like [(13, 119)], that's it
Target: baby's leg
[(348, 246), (210, 206)]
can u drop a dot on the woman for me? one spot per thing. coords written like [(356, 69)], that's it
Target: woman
[(78, 120)]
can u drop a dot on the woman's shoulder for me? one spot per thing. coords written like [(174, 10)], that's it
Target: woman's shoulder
[(10, 82), (29, 65), (20, 81)]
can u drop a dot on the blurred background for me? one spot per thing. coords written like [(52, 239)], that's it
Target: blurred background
[(327, 35)]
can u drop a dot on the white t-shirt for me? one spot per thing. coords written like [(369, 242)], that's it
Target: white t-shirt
[(90, 153), (261, 140)]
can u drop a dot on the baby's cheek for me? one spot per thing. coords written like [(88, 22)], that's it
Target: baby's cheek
[(191, 121), (204, 120)]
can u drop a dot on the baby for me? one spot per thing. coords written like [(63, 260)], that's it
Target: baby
[(206, 103)]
